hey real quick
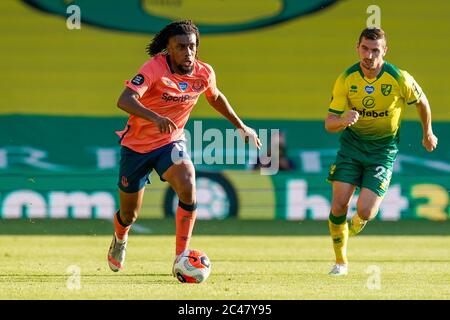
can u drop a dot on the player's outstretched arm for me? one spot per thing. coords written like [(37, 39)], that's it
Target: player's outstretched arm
[(128, 102), (221, 104), (336, 123), (429, 140)]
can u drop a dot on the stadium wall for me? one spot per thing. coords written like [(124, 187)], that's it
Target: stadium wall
[(67, 167)]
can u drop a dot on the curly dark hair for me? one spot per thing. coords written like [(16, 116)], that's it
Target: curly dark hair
[(182, 27)]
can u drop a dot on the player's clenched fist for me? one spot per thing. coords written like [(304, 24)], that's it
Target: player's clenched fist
[(350, 118), (430, 142)]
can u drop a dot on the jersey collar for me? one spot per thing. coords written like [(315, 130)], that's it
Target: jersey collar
[(378, 76)]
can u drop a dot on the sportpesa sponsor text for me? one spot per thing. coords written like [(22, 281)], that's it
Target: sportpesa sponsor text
[(182, 98)]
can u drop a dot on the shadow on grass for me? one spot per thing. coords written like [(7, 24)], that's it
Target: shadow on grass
[(216, 227)]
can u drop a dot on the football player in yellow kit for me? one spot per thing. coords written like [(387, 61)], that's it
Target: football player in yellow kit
[(368, 99)]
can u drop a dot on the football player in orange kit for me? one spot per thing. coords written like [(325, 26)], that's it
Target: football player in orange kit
[(159, 100)]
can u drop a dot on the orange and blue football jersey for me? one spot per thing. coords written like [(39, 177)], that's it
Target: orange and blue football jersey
[(168, 94)]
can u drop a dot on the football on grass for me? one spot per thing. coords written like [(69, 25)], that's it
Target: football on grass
[(192, 266)]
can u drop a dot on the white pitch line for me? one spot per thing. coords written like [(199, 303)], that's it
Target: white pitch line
[(138, 228), (141, 229)]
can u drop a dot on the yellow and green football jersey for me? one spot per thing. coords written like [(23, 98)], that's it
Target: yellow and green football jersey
[(379, 101)]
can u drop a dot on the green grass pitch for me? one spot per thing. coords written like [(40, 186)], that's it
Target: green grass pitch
[(254, 260)]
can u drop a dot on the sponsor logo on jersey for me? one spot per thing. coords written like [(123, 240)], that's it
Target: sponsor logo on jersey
[(181, 98), (198, 85), (369, 89), (386, 89), (183, 86), (368, 102), (138, 79), (353, 88), (371, 113), (168, 82)]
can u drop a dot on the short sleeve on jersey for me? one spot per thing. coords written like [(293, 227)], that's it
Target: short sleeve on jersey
[(211, 90), (140, 83), (410, 89), (339, 99)]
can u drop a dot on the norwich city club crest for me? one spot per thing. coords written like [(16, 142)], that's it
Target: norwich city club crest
[(386, 89)]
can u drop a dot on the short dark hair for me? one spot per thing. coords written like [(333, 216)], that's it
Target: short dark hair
[(182, 27), (372, 34)]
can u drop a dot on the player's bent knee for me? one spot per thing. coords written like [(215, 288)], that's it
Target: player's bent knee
[(339, 208), (367, 213)]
